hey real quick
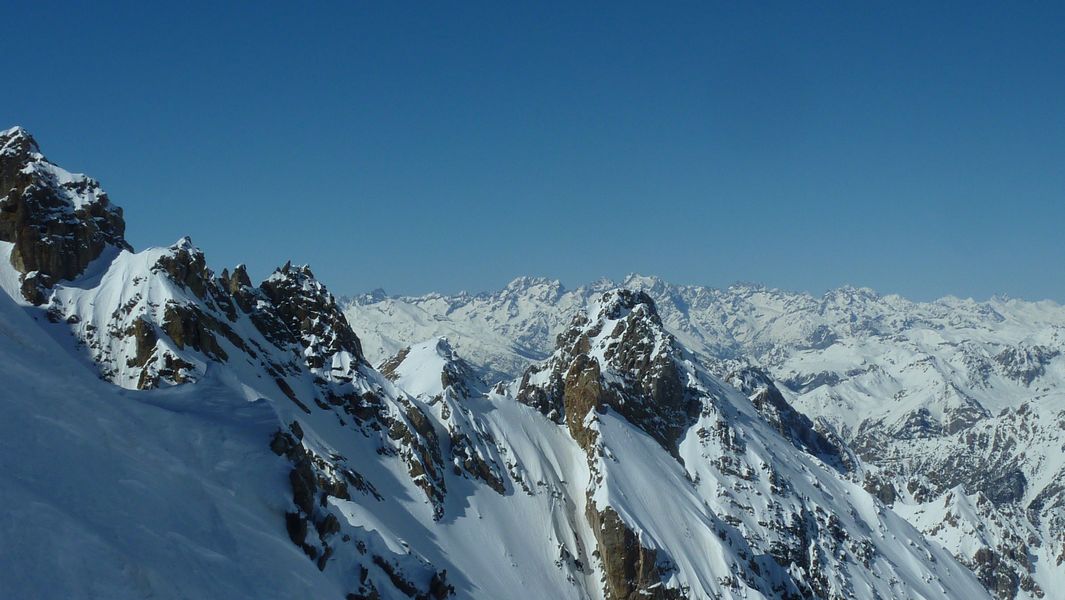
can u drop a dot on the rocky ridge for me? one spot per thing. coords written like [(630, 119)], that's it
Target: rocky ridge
[(57, 222)]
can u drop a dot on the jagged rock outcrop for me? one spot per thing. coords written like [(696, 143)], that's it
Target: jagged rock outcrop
[(311, 312), (58, 222), (623, 336), (162, 318), (788, 422), (631, 571)]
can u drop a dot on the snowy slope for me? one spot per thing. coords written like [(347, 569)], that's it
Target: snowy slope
[(164, 494)]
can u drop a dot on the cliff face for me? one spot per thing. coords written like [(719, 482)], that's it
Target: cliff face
[(59, 222)]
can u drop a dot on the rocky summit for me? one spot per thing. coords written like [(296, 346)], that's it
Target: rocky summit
[(57, 222), (172, 430)]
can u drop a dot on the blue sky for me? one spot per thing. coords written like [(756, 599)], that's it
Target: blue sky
[(443, 146)]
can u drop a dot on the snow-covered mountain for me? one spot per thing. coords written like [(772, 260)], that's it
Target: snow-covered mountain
[(171, 431), (940, 402)]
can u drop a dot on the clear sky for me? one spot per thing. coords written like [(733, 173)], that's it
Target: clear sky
[(442, 146)]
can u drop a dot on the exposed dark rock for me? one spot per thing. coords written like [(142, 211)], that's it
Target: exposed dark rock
[(464, 454), (1008, 487), (57, 223), (788, 422), (421, 451), (803, 383), (917, 425), (327, 526), (297, 527), (439, 588), (1024, 363), (962, 417), (311, 312), (186, 266), (881, 488), (145, 338), (632, 571), (34, 287), (652, 395)]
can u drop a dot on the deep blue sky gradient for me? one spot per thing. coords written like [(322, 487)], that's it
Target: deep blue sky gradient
[(443, 146)]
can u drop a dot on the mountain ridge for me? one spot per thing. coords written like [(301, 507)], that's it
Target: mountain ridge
[(915, 389), (621, 466)]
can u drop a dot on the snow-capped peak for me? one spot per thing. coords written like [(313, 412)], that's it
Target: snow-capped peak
[(185, 243), (637, 281), (524, 283), (18, 141)]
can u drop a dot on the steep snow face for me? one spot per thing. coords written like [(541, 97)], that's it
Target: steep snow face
[(927, 394), (427, 369)]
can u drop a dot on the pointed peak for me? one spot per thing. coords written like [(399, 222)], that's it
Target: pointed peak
[(17, 144), (293, 272), (619, 356), (298, 279), (602, 284), (618, 303), (185, 243), (16, 132), (240, 275), (41, 195), (746, 287), (185, 247), (851, 292), (643, 282), (376, 295)]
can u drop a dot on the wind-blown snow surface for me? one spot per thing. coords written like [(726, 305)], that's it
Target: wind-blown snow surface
[(111, 494)]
